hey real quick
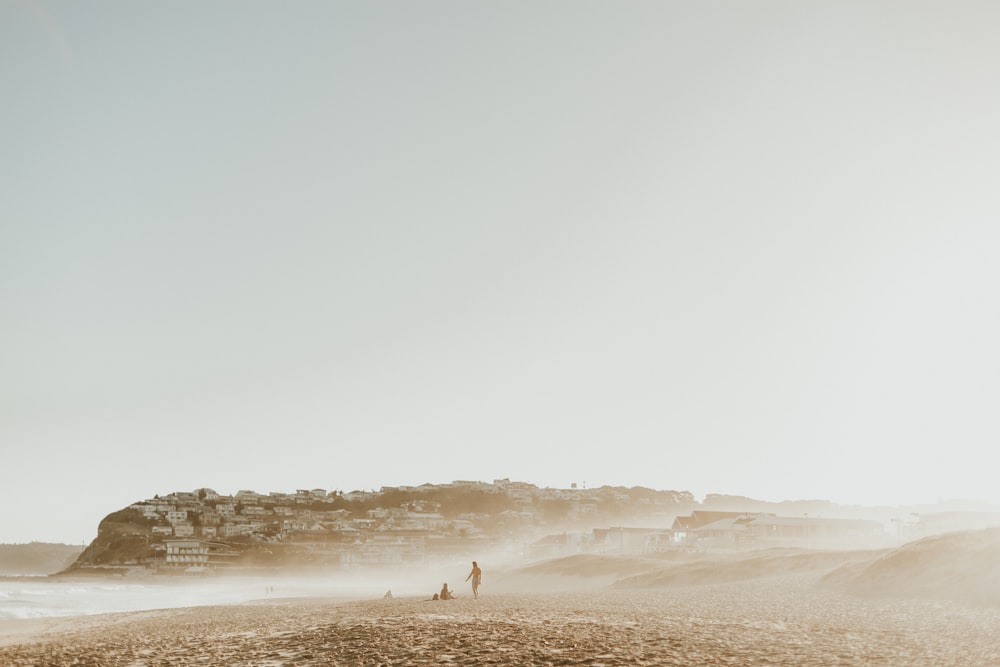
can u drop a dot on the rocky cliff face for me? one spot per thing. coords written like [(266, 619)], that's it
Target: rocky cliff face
[(124, 538)]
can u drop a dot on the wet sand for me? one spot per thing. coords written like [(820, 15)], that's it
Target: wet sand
[(775, 621)]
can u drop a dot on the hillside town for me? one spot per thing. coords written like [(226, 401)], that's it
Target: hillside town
[(203, 530), (371, 528)]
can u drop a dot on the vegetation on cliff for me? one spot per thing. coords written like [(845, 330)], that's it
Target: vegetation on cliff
[(123, 537)]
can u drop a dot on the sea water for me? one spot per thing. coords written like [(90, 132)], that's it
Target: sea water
[(39, 597)]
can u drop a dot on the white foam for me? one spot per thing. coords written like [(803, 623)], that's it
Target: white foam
[(39, 599)]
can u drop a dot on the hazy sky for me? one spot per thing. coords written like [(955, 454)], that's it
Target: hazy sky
[(724, 247)]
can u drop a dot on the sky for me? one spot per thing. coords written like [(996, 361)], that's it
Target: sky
[(721, 247)]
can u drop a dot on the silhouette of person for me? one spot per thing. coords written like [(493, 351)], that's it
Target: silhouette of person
[(388, 594), (477, 576), (446, 594)]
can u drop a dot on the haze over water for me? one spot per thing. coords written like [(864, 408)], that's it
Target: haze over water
[(27, 598)]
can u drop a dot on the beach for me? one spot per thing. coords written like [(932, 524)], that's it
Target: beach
[(774, 621)]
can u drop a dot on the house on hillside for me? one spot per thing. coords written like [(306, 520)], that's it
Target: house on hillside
[(233, 529), (420, 521), (183, 529), (148, 511), (196, 554), (360, 496), (210, 518)]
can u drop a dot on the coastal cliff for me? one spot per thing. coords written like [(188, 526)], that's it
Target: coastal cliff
[(203, 530)]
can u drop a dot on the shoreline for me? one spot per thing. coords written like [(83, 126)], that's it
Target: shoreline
[(29, 630), (31, 606), (774, 621)]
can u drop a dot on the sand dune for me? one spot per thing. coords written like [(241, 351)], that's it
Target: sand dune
[(591, 565), (579, 572), (959, 566), (681, 569), (742, 567)]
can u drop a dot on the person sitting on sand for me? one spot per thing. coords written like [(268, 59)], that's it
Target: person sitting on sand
[(388, 594), (446, 594)]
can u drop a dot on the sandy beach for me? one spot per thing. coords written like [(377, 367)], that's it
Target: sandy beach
[(777, 621)]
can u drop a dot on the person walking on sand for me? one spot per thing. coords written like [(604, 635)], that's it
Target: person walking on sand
[(477, 576)]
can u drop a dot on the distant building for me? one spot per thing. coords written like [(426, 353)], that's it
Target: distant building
[(685, 525), (710, 529), (196, 554), (183, 530), (813, 530)]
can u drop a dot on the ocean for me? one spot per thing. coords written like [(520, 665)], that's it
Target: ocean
[(41, 597)]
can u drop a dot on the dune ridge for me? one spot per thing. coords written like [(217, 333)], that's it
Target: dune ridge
[(959, 566)]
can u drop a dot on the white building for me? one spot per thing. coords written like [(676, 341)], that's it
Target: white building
[(183, 530)]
